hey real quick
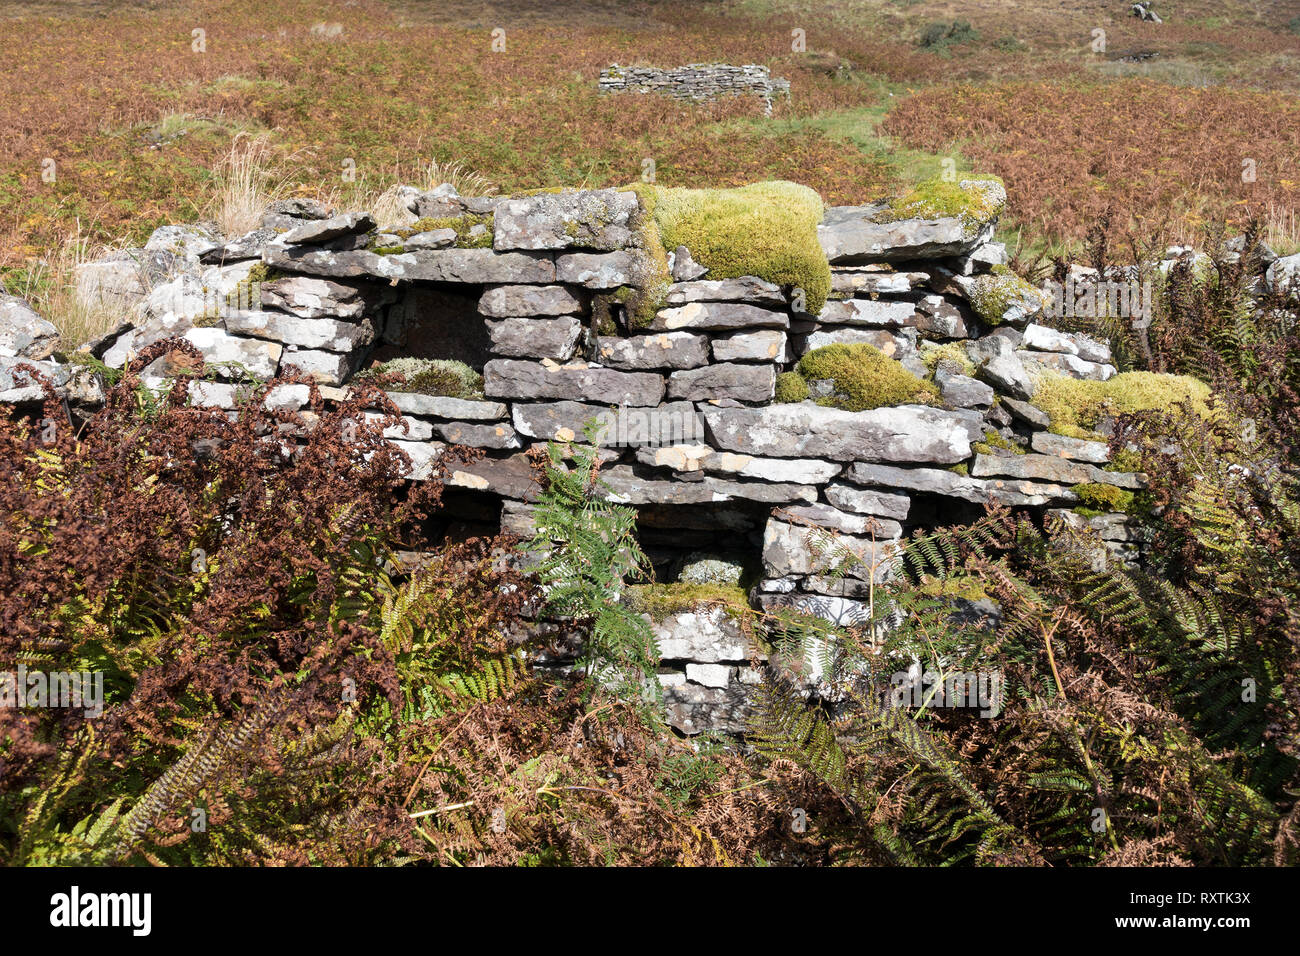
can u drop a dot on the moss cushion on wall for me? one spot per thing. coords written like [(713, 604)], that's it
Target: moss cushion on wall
[(863, 377), (766, 229)]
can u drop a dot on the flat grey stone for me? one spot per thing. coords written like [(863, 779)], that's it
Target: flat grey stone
[(507, 301), (750, 289), (511, 378), (745, 383), (673, 350), (906, 433), (867, 502), (717, 316), (764, 345), (587, 219), (329, 334), (555, 338)]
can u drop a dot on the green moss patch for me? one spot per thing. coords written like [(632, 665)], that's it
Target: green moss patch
[(432, 377), (1076, 406), (954, 352), (461, 225), (993, 441), (790, 387), (864, 377), (1103, 497), (995, 293), (664, 600), (766, 229), (976, 202)]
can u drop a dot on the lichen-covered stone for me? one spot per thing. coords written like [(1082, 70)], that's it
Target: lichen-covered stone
[(745, 383), (672, 350), (507, 301), (588, 219), (908, 433), (545, 338)]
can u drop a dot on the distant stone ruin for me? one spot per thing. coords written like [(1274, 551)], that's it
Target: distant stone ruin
[(696, 81)]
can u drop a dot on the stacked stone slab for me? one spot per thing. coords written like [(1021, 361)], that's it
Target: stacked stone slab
[(683, 402), (696, 81)]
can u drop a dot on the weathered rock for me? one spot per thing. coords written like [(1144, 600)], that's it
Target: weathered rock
[(409, 429), (692, 709), (122, 279), (686, 458), (596, 270), (790, 549), (685, 268), (1041, 338), (706, 634), (186, 243), (587, 219), (1071, 365), (877, 313), (1095, 452), (664, 350), (765, 345), (1109, 527), (940, 481), (441, 406), (669, 424), (309, 297), (476, 266), (19, 381), (745, 383), (510, 378), (894, 344), (259, 358), (323, 230), (867, 502), (555, 338), (824, 516), (288, 213), (716, 317), (23, 333), (750, 289), (1029, 414), (998, 365), (939, 317), (510, 477), (328, 334), (251, 245), (868, 281), (906, 433), (327, 368), (430, 239), (1049, 468), (962, 391), (496, 436), (1284, 273), (424, 456), (851, 234), (627, 487), (508, 301)]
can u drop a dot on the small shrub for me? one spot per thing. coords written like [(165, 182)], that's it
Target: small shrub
[(939, 36)]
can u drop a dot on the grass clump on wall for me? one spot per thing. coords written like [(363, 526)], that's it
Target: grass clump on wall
[(765, 229), (1076, 406)]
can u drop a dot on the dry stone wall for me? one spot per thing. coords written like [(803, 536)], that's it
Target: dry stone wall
[(696, 81), (684, 403)]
